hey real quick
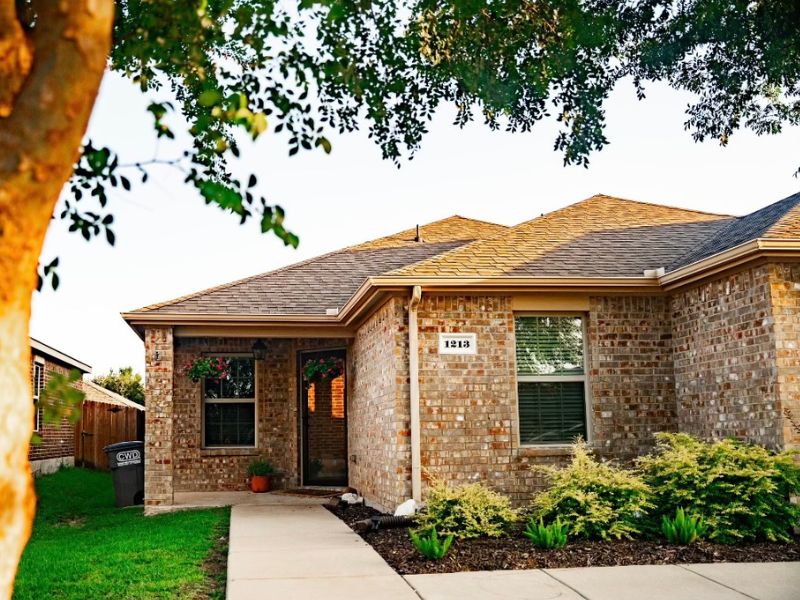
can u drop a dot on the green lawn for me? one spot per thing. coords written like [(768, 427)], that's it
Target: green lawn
[(84, 547)]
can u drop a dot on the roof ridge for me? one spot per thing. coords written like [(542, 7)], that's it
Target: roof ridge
[(456, 248), (411, 229), (509, 231), (658, 204)]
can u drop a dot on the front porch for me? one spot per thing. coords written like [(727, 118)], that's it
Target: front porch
[(201, 436)]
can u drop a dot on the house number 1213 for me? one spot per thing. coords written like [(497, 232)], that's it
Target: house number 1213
[(458, 343)]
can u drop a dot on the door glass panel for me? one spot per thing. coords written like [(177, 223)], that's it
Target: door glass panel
[(325, 432)]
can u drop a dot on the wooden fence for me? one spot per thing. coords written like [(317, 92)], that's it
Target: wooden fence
[(102, 424)]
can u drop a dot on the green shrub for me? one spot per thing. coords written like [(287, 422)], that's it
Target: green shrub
[(597, 499), (683, 530), (260, 467), (467, 511), (430, 546), (544, 536), (742, 491)]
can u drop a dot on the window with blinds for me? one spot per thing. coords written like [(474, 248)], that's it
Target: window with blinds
[(551, 379)]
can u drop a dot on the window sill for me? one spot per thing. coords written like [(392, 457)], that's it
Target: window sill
[(543, 450), (229, 452)]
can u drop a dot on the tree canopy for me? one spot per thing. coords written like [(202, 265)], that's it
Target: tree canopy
[(124, 382), (307, 68)]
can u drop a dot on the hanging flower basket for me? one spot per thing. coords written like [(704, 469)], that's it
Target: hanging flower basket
[(323, 368), (216, 368)]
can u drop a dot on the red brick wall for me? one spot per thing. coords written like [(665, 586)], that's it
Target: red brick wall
[(469, 403), (724, 354), (176, 459), (378, 421), (630, 374), (785, 296), (213, 469), (58, 440), (158, 460)]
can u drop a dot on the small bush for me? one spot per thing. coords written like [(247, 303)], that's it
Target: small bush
[(547, 537), (260, 467), (597, 499), (430, 546), (742, 491), (683, 530), (467, 511)]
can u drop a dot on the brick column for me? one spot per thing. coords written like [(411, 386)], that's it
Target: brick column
[(159, 368)]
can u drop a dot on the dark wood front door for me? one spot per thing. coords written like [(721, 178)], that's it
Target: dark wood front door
[(324, 419)]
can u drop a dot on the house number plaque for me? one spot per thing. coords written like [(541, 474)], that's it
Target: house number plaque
[(458, 343)]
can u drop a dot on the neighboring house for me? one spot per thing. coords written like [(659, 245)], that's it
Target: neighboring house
[(474, 351), (57, 445), (106, 418)]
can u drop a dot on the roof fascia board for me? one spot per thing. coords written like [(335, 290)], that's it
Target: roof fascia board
[(729, 258), (59, 356), (375, 288), (263, 331)]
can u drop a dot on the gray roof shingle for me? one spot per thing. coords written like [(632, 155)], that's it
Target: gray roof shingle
[(326, 282), (778, 220), (602, 236)]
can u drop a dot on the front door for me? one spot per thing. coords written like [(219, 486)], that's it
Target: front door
[(324, 412)]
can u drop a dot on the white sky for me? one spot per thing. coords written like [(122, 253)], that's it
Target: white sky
[(169, 243)]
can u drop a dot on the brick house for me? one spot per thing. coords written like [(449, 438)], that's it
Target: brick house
[(473, 351), (57, 445)]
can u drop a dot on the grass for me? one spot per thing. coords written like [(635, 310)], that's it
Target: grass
[(84, 547)]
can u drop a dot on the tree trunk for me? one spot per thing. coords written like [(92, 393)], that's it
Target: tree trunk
[(49, 85)]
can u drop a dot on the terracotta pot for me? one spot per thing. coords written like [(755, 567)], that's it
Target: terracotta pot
[(259, 483)]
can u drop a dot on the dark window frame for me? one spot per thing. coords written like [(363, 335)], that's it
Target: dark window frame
[(38, 386), (523, 378)]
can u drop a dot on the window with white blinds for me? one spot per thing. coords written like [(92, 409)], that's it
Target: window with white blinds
[(551, 378)]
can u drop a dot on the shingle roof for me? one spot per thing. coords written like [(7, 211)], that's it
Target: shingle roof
[(97, 393), (601, 236), (779, 220), (328, 281)]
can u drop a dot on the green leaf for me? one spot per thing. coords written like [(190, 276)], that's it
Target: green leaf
[(326, 145), (209, 98), (225, 197)]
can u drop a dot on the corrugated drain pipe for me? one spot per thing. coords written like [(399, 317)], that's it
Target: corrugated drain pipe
[(413, 376)]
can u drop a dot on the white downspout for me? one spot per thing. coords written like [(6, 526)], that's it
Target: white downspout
[(413, 376)]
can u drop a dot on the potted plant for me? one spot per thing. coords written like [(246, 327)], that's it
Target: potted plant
[(323, 368), (260, 472), (216, 368)]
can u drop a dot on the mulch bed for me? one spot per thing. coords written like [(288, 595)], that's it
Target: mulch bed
[(516, 552)]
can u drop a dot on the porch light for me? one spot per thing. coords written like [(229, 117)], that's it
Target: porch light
[(259, 350)]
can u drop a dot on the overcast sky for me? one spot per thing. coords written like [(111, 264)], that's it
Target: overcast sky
[(169, 243)]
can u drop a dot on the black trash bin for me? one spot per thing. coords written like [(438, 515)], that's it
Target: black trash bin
[(126, 460)]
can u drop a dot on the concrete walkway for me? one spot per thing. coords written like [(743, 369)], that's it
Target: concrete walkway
[(294, 551), (301, 551), (718, 581)]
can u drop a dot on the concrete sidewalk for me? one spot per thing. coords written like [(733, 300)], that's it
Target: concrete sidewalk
[(718, 581), (296, 552), (301, 551)]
